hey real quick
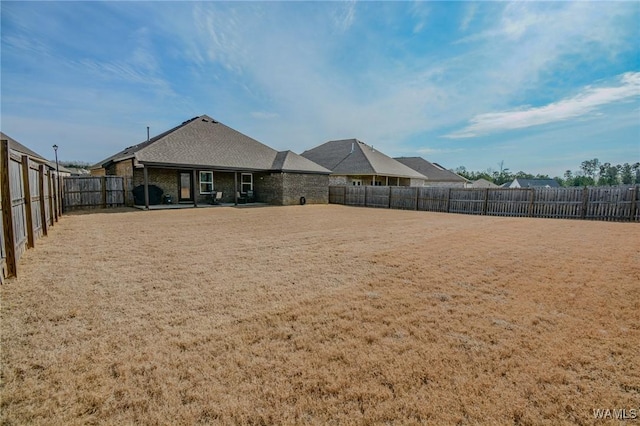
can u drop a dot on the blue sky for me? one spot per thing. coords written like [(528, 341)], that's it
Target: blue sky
[(541, 86)]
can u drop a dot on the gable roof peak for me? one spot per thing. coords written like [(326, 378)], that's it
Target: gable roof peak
[(345, 156)]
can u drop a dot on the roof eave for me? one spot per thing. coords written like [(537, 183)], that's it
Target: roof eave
[(307, 172), (178, 166)]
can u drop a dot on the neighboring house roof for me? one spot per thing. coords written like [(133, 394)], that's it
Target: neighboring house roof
[(483, 183), (205, 142), (18, 147), (290, 161), (353, 157), (534, 183), (433, 171), (60, 167), (77, 171)]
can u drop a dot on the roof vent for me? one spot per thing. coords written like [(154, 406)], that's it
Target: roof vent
[(205, 120)]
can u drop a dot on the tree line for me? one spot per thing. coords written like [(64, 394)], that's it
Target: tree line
[(591, 173)]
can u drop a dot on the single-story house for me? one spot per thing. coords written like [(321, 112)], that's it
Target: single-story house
[(533, 183), (436, 174), (20, 149), (64, 172), (353, 162), (199, 159), (483, 183), (78, 171)]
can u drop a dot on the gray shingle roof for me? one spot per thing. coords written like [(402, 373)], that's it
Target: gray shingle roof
[(289, 161), (353, 157), (483, 183), (205, 142), (18, 147), (433, 171)]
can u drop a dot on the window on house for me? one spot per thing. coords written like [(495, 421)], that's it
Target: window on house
[(356, 182), (206, 182), (246, 182)]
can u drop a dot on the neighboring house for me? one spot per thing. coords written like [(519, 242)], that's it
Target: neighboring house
[(534, 183), (483, 183), (436, 174), (97, 170), (194, 161), (353, 162), (64, 172), (20, 149), (77, 171)]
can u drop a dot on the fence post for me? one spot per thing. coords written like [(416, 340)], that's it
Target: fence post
[(195, 192), (634, 202), (486, 201), (365, 195), (43, 211), (59, 204), (531, 201), (103, 180), (7, 216), (417, 196), (448, 199), (344, 196), (389, 197), (52, 211), (54, 194), (26, 188), (585, 202), (145, 172)]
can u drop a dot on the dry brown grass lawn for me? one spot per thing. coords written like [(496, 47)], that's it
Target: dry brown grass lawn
[(322, 315)]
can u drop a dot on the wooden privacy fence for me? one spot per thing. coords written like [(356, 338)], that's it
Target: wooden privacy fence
[(85, 192), (597, 203), (29, 205)]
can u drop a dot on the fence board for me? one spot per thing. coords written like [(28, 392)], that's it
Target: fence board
[(17, 207), (403, 198), (20, 229), (86, 192), (602, 203), (34, 187)]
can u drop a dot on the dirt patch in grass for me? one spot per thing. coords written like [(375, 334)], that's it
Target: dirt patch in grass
[(322, 315)]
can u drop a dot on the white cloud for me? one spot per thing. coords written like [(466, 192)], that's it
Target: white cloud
[(468, 16), (420, 12), (343, 17), (577, 106)]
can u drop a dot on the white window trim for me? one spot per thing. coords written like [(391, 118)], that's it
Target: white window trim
[(243, 183), (200, 181)]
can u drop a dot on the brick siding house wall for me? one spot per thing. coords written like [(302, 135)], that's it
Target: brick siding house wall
[(165, 179), (287, 188), (314, 188), (272, 188), (338, 180), (268, 188)]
